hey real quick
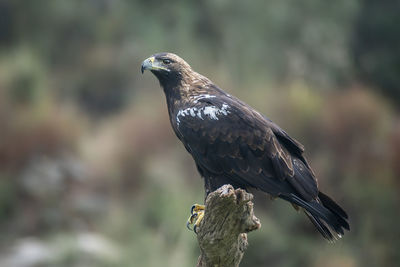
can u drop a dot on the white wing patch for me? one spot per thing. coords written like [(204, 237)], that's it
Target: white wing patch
[(209, 111), (213, 111), (199, 97)]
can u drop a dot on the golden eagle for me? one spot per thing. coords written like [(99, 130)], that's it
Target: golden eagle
[(233, 143)]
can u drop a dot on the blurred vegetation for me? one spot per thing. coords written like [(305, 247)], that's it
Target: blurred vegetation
[(376, 46), (92, 175)]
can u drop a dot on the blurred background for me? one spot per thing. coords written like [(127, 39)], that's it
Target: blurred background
[(91, 173)]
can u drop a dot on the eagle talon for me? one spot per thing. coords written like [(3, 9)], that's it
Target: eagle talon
[(190, 221), (196, 208), (196, 216), (192, 208), (188, 225)]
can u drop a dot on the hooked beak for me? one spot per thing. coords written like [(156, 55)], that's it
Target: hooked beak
[(147, 64), (154, 65)]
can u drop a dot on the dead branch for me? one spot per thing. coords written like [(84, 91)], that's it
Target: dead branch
[(222, 234)]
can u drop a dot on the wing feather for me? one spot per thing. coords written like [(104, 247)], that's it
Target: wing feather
[(248, 148)]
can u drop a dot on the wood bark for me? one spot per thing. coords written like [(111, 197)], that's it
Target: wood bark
[(222, 234)]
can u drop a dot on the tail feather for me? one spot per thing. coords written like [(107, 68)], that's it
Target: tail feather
[(331, 205), (324, 213), (322, 228)]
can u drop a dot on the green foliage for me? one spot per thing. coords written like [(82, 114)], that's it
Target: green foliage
[(376, 45)]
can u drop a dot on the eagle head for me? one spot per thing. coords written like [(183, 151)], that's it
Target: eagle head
[(167, 67)]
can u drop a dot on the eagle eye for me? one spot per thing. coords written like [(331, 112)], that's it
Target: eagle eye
[(166, 61)]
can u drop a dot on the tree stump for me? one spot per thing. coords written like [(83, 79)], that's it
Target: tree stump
[(222, 234)]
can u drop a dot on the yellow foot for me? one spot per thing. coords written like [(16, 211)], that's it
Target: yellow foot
[(196, 215)]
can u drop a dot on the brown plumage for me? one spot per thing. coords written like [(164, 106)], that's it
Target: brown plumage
[(233, 143)]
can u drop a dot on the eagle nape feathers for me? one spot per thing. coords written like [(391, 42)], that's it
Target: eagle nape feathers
[(232, 143)]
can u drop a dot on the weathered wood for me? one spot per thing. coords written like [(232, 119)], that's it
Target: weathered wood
[(222, 234)]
